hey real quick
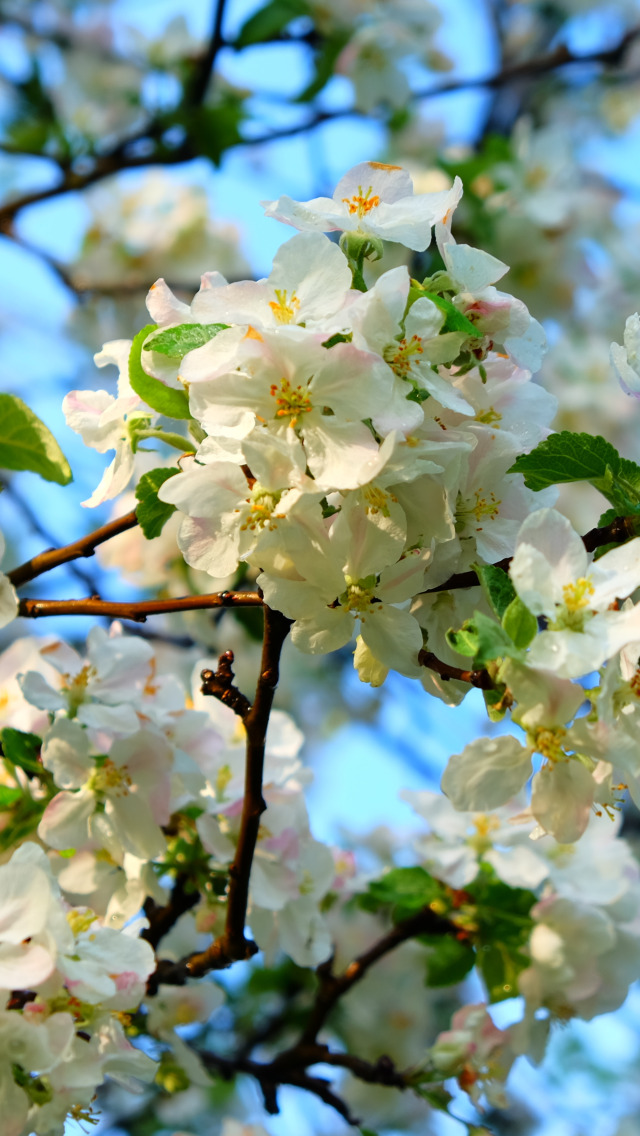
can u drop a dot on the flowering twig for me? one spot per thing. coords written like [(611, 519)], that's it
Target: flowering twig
[(85, 546), (139, 611)]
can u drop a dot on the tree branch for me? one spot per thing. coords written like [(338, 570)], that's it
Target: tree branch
[(203, 73), (232, 945), (139, 611), (620, 530), (118, 159), (85, 546)]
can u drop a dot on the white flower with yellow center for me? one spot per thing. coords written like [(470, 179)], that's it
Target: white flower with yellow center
[(308, 284), (372, 199), (579, 599), (131, 785), (286, 384)]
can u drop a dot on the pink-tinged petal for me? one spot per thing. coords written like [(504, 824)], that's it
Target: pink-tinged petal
[(164, 308)]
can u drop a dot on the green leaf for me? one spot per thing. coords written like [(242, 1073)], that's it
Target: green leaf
[(324, 63), (483, 639), (176, 342), (164, 399), (503, 918), (405, 890), (449, 960), (152, 513), (519, 623), (8, 796), (566, 457), (22, 749), (215, 127), (268, 21), (454, 319), (496, 586), (26, 443)]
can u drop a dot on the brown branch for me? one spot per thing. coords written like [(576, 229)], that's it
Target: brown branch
[(333, 987), (479, 678), (85, 546), (139, 611), (232, 945), (219, 684), (162, 919), (203, 73), (620, 530)]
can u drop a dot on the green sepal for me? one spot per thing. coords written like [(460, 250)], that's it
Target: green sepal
[(152, 513), (157, 395), (27, 444)]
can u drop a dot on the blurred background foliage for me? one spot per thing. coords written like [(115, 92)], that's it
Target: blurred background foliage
[(137, 138)]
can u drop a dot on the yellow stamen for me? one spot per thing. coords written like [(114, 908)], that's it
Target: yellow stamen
[(291, 401), (576, 596), (284, 311), (362, 203)]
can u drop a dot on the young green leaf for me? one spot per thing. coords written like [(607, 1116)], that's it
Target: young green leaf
[(448, 961), (22, 749), (405, 890), (152, 513), (26, 443), (519, 623), (269, 20), (482, 639), (565, 457), (496, 586), (157, 395), (176, 342)]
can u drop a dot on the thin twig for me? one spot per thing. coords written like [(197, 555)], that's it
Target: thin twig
[(85, 546), (203, 73), (479, 678), (138, 611)]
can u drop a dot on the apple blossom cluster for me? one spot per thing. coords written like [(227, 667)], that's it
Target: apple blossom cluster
[(123, 751), (381, 462)]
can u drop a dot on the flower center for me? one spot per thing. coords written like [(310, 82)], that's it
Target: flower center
[(362, 203), (400, 355), (483, 508), (377, 501), (291, 401), (80, 921), (576, 596), (484, 825), (548, 742), (489, 416), (283, 310), (110, 779), (358, 595), (261, 502)]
